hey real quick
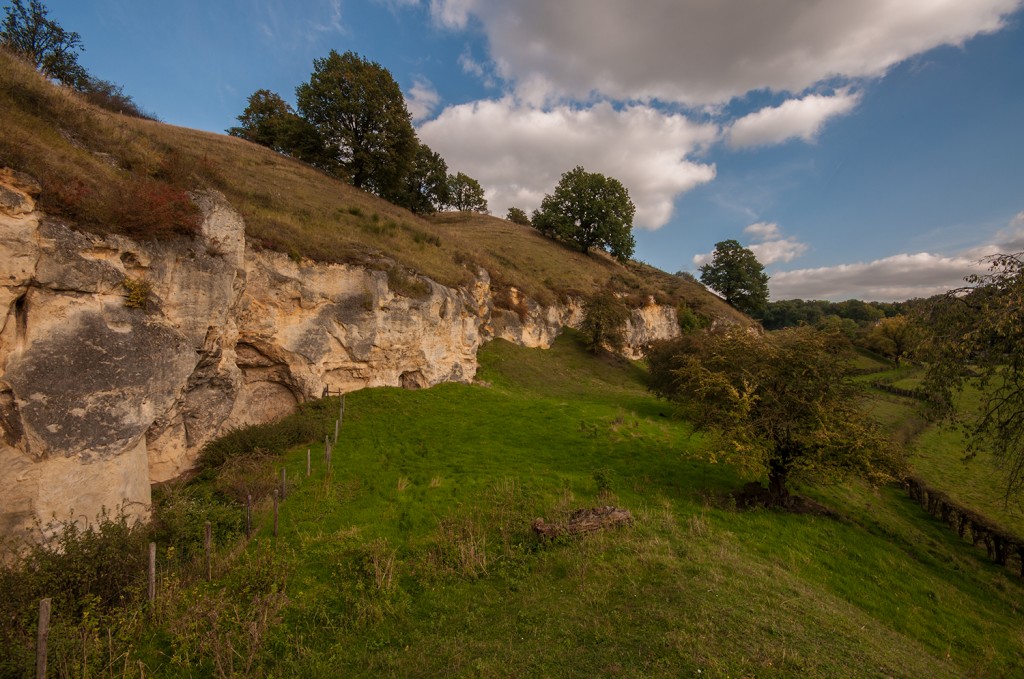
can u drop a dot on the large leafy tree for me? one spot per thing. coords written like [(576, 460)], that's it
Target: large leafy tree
[(736, 275), (260, 122), (895, 337), (360, 112), (270, 121), (975, 336), (426, 185), (779, 406), (589, 210), (28, 31), (465, 193)]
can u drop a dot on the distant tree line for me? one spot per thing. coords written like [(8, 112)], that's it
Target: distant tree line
[(789, 313), (352, 122), (28, 31)]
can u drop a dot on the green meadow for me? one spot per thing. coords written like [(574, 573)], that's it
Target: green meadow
[(413, 555)]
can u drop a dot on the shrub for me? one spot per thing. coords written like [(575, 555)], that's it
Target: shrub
[(179, 517), (86, 572), (604, 322), (690, 320), (401, 283), (518, 216), (138, 293)]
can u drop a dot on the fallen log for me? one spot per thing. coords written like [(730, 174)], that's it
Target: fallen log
[(584, 521)]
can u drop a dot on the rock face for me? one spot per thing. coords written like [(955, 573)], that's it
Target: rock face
[(120, 360)]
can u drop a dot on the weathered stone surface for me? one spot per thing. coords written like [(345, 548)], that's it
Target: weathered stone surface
[(98, 400), (648, 324)]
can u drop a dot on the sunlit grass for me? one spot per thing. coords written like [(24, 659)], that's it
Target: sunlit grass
[(441, 485)]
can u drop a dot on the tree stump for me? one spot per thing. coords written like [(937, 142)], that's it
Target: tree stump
[(584, 521)]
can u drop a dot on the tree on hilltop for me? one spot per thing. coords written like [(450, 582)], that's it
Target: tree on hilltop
[(781, 405), (737, 276), (589, 210), (269, 120), (465, 194), (27, 31), (426, 185), (518, 216), (260, 122), (360, 112)]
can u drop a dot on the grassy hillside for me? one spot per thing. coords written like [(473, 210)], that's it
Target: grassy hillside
[(105, 172), (938, 453), (414, 556)]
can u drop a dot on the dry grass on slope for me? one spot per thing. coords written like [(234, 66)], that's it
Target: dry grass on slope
[(105, 172)]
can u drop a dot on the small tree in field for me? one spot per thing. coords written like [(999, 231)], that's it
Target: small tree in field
[(589, 210), (781, 406), (736, 275), (895, 337)]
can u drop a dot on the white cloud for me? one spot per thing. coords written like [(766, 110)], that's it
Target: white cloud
[(519, 152), (770, 245), (422, 99), (796, 118), (763, 231), (1006, 241), (451, 13), (332, 23), (781, 250), (470, 65), (699, 52), (898, 277)]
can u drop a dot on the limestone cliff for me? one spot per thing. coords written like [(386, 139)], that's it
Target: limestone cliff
[(120, 359)]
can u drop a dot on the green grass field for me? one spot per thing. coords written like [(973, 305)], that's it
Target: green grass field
[(414, 557), (938, 450)]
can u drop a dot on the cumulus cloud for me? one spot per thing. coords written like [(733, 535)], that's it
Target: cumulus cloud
[(470, 65), (899, 277), (451, 13), (763, 231), (518, 152), (1006, 241), (796, 118), (698, 52), (422, 99), (769, 245)]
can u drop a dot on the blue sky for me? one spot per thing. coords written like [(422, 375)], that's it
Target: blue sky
[(869, 149)]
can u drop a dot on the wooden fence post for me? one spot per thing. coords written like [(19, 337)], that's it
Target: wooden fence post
[(208, 541), (152, 572), (248, 516), (41, 637), (275, 512)]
